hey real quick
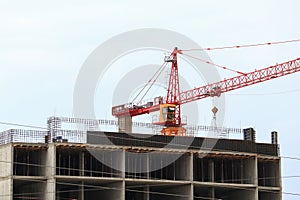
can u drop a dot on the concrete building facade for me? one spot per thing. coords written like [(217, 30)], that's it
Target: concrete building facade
[(140, 167)]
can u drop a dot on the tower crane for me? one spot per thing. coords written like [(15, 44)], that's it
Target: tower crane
[(170, 107)]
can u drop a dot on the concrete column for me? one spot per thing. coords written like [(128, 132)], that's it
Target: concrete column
[(254, 166), (211, 171), (255, 178), (191, 167), (148, 167), (125, 124), (250, 170), (146, 195), (123, 191), (279, 178), (191, 196), (50, 171), (212, 193), (81, 192), (123, 163), (81, 173), (81, 164), (6, 172)]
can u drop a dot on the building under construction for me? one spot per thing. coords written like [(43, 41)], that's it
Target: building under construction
[(69, 164)]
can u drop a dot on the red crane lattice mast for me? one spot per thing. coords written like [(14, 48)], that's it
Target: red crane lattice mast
[(169, 108), (173, 94)]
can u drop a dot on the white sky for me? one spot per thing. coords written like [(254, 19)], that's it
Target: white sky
[(43, 45)]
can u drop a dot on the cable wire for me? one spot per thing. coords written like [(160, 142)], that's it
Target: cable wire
[(22, 125), (155, 76), (266, 94), (244, 46), (214, 64)]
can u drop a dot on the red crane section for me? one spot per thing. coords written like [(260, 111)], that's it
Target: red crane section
[(173, 95), (211, 90), (169, 108), (132, 110), (257, 76)]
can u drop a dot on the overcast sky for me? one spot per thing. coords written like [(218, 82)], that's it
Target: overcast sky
[(43, 46)]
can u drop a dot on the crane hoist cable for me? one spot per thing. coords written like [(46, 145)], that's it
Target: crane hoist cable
[(150, 83)]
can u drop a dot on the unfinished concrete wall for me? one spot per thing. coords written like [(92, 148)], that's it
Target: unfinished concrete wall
[(6, 166), (250, 170), (125, 124), (183, 167), (70, 171)]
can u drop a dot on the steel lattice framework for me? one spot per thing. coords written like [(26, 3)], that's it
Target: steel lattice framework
[(251, 78)]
